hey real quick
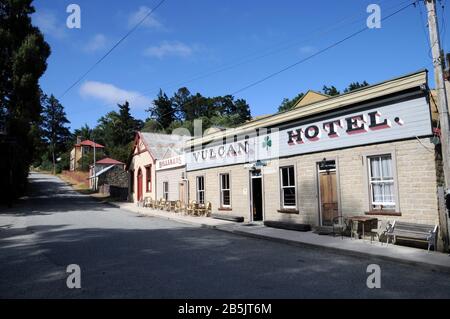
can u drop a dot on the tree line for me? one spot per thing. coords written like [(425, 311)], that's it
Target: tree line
[(288, 104)]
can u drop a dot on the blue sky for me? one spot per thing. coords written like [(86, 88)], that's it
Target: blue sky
[(185, 39)]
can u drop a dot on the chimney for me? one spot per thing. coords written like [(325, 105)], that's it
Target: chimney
[(78, 139)]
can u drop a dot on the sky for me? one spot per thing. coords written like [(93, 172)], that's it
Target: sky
[(220, 47)]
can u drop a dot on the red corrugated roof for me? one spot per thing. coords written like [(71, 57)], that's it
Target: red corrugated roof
[(108, 161), (90, 143)]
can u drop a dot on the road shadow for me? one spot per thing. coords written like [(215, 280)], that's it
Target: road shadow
[(190, 262)]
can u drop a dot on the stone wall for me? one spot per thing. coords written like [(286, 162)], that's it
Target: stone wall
[(115, 182), (416, 185)]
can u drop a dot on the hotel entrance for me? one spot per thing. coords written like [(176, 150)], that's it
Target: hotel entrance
[(328, 198), (256, 195)]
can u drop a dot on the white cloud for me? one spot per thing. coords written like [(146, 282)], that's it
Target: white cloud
[(166, 48), (111, 94), (96, 43), (151, 21), (48, 23)]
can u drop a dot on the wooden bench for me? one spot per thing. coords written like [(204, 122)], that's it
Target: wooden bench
[(238, 219), (413, 231), (287, 225)]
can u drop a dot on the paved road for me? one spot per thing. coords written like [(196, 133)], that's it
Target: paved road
[(124, 255)]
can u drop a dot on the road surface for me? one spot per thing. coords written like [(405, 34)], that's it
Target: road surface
[(124, 255)]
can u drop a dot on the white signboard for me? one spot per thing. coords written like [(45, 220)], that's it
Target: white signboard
[(171, 162), (406, 119)]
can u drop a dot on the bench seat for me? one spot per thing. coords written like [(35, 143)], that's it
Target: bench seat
[(413, 231), (238, 219)]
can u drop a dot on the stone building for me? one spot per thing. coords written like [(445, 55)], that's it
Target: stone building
[(148, 148), (113, 181), (366, 152), (171, 183)]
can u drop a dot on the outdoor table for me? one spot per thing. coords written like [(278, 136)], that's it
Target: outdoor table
[(363, 220)]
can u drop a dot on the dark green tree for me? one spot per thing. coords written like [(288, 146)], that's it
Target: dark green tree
[(56, 133), (23, 56), (162, 110), (116, 131), (355, 85), (331, 90), (126, 126), (288, 104), (180, 101), (84, 132), (243, 111)]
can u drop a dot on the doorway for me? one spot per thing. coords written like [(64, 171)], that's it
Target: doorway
[(328, 198), (139, 185), (256, 195), (182, 192)]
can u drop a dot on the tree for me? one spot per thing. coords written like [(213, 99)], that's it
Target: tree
[(84, 132), (116, 131), (127, 125), (331, 91), (242, 111), (54, 122), (288, 104), (162, 110), (23, 56), (180, 101), (355, 85)]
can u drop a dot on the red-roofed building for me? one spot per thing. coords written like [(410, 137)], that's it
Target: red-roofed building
[(109, 161), (80, 149)]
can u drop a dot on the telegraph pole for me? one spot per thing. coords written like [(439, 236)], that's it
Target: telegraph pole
[(440, 87), (438, 64)]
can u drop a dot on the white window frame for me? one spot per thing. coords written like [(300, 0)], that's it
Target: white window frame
[(200, 191), (382, 181), (224, 189), (282, 187), (166, 190)]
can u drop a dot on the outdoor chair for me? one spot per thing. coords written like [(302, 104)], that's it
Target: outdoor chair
[(182, 207), (177, 208), (354, 229), (147, 201), (162, 204), (201, 210), (208, 209), (381, 230), (190, 208), (340, 226)]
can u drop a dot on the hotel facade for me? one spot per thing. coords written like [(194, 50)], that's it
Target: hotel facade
[(367, 152)]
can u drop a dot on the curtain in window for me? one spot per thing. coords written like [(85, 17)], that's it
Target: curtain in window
[(382, 180)]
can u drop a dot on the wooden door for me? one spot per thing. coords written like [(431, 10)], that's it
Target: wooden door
[(182, 193), (139, 185), (328, 197)]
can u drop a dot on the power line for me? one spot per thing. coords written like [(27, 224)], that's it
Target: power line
[(113, 48), (317, 53), (307, 58), (249, 58)]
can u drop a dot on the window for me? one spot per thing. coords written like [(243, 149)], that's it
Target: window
[(288, 187), (381, 179), (225, 193), (166, 190), (201, 189), (148, 176)]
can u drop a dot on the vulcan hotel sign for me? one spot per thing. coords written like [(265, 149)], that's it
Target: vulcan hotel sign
[(368, 125)]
